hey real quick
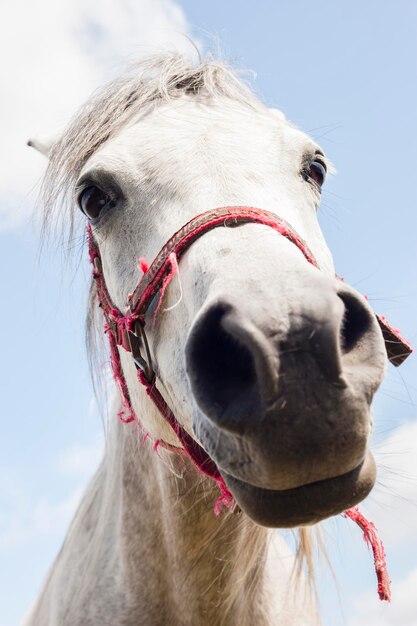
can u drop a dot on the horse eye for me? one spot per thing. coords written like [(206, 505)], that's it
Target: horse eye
[(317, 172), (92, 201)]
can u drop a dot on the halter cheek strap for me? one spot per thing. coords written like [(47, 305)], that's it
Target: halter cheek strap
[(128, 331)]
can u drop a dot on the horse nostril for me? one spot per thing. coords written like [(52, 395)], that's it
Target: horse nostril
[(220, 367), (356, 321)]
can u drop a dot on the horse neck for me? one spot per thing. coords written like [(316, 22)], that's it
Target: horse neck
[(172, 545)]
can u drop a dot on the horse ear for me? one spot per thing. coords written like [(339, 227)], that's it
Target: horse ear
[(42, 144)]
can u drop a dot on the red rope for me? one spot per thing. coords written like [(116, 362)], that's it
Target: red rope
[(370, 534), (194, 451), (126, 415), (172, 265)]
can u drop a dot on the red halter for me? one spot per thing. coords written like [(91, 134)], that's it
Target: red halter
[(128, 330)]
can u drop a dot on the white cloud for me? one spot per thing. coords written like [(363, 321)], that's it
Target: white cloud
[(402, 611), (55, 54), (24, 518), (392, 506), (81, 460), (393, 503), (54, 517), (26, 521)]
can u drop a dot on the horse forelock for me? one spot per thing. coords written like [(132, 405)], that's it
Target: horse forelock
[(152, 81)]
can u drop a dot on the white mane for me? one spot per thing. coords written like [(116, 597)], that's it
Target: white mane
[(147, 84)]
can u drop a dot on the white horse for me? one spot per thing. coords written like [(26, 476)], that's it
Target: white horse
[(269, 362)]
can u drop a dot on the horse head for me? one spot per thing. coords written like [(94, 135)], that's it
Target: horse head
[(268, 361)]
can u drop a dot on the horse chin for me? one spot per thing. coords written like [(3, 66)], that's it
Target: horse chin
[(306, 504)]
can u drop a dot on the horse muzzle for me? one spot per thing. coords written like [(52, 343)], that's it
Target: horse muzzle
[(283, 397)]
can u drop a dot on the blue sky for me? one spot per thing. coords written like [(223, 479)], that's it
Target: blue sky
[(347, 73)]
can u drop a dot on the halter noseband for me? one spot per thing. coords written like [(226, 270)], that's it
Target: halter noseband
[(128, 330), (130, 334)]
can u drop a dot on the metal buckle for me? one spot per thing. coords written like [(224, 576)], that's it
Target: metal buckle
[(137, 338)]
